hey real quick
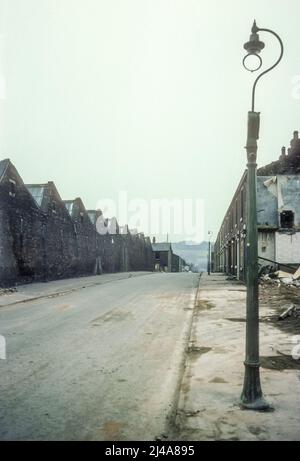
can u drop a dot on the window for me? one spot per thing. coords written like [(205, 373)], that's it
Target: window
[(157, 255), (12, 188), (242, 204), (287, 219)]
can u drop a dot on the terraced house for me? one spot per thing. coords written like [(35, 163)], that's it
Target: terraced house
[(278, 217)]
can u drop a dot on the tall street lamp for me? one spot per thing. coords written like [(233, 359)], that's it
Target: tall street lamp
[(209, 253), (252, 397)]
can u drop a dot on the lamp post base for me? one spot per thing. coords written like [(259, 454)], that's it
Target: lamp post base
[(252, 397)]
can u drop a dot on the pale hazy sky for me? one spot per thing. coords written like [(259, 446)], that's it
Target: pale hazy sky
[(146, 96)]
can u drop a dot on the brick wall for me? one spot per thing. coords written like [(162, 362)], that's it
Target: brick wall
[(21, 249), (44, 238)]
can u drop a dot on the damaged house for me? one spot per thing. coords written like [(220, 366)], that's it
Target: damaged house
[(278, 217)]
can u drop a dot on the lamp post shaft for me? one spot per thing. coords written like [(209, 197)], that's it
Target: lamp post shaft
[(252, 397), (209, 258)]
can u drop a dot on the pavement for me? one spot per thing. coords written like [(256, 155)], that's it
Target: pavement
[(208, 406), (33, 291), (103, 362)]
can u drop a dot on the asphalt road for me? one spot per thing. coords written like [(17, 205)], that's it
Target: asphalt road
[(100, 363)]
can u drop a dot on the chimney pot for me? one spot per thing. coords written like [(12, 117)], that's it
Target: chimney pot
[(282, 156), (296, 135)]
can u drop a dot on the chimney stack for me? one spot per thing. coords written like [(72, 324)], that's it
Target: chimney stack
[(295, 143), (153, 240), (283, 153)]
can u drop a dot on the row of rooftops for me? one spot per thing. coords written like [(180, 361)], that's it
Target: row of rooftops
[(43, 195), (288, 162)]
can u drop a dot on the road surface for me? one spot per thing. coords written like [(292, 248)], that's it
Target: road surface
[(100, 363)]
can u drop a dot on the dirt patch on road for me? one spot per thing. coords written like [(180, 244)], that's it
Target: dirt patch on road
[(280, 362), (203, 305), (195, 351), (112, 430), (231, 319), (288, 325), (115, 315), (218, 380), (63, 307)]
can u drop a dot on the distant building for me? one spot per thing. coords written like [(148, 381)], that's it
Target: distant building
[(164, 258), (278, 217), (195, 254)]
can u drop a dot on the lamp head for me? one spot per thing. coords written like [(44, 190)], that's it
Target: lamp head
[(253, 47)]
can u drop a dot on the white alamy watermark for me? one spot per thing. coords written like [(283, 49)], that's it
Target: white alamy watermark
[(296, 87), (177, 217), (2, 77), (296, 348), (2, 348)]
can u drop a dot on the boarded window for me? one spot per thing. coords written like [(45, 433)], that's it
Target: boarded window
[(287, 219)]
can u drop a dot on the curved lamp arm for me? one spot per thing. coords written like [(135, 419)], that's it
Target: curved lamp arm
[(257, 29)]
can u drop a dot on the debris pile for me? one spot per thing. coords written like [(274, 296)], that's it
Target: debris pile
[(290, 311), (231, 278), (283, 278), (7, 291)]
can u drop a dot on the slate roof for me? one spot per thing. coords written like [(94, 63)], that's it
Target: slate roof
[(124, 230), (287, 164), (161, 247), (37, 191), (69, 204), (3, 165), (75, 207), (43, 193), (92, 215)]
